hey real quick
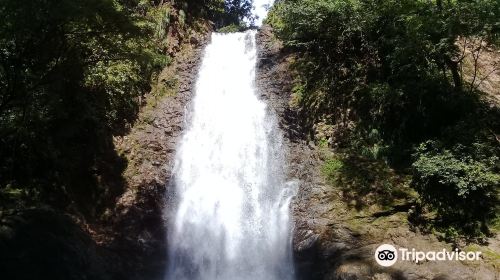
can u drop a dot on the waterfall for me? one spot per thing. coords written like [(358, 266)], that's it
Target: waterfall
[(232, 219)]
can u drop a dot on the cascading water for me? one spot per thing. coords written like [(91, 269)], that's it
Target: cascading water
[(232, 220)]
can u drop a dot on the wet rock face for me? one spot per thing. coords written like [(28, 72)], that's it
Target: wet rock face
[(141, 214), (274, 81)]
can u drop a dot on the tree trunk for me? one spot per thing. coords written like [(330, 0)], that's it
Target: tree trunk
[(455, 72)]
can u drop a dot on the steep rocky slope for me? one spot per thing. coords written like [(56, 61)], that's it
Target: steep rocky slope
[(141, 213), (332, 239)]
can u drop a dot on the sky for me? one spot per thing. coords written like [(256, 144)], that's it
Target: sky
[(260, 9)]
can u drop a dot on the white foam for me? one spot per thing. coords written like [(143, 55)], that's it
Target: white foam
[(232, 220)]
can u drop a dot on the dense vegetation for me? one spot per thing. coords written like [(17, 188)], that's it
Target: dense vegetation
[(384, 81), (72, 74)]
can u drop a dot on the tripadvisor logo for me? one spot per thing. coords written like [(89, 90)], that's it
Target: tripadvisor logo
[(387, 255)]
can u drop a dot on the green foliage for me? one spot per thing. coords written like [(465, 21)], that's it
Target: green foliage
[(161, 19), (462, 189), (71, 74), (232, 28), (380, 58), (389, 73), (331, 168), (221, 12), (236, 12), (209, 9), (365, 182)]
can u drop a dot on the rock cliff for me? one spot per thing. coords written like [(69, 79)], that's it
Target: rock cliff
[(332, 239)]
